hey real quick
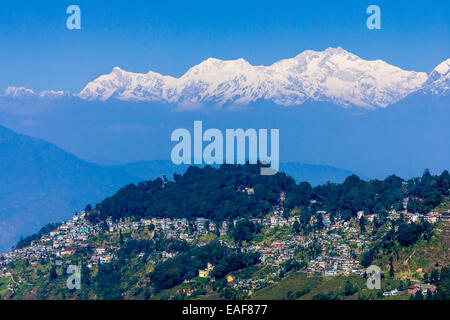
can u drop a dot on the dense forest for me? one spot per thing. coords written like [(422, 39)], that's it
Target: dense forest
[(218, 194), (231, 191)]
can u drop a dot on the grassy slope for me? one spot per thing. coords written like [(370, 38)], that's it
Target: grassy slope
[(307, 287), (425, 255)]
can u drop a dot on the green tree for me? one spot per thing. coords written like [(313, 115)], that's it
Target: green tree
[(85, 276), (290, 296), (391, 267), (443, 287), (296, 227), (319, 224), (53, 274), (349, 289), (434, 276), (362, 225), (245, 231), (418, 295)]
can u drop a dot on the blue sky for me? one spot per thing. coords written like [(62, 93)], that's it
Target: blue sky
[(37, 51)]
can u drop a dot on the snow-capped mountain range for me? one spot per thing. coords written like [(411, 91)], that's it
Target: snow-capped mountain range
[(21, 92), (333, 75)]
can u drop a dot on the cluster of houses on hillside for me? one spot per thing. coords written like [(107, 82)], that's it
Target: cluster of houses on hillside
[(424, 288), (59, 242), (250, 284), (75, 233), (338, 256), (340, 242), (184, 229)]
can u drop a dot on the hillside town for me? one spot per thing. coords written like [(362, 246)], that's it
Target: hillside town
[(341, 243)]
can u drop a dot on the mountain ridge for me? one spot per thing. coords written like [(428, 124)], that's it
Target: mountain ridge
[(333, 75), (41, 183), (329, 75)]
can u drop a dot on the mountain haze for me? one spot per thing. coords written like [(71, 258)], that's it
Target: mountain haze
[(41, 183), (314, 174)]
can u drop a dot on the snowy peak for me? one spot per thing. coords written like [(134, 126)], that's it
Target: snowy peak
[(439, 80), (16, 92), (125, 85), (341, 77), (215, 67), (443, 68), (22, 92), (334, 75), (52, 94)]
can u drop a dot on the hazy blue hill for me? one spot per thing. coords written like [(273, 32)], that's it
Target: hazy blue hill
[(315, 174), (147, 170), (41, 183), (404, 138)]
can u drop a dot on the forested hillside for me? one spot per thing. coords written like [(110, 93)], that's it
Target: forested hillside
[(232, 191)]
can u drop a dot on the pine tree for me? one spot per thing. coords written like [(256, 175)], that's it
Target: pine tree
[(391, 269), (53, 274), (296, 226), (362, 225)]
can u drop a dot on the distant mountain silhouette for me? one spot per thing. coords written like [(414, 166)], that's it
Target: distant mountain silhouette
[(403, 138), (41, 183), (314, 174)]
